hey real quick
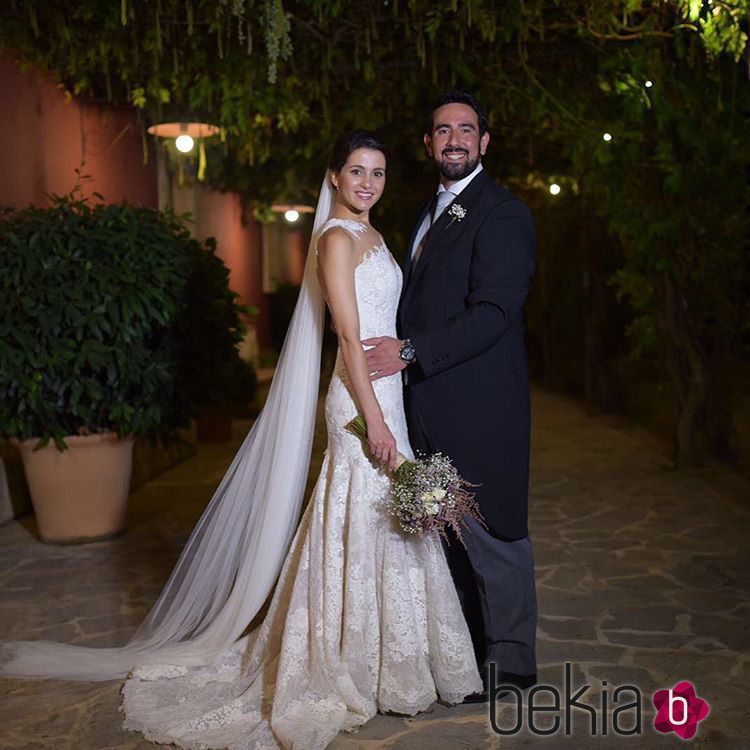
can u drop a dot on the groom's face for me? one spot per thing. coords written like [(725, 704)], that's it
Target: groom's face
[(455, 143)]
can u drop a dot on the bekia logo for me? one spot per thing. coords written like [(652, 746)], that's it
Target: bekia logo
[(549, 710), (679, 710)]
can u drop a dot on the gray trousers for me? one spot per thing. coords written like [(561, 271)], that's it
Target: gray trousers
[(495, 583), (496, 586)]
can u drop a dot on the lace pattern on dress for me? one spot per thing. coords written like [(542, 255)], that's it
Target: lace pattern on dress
[(363, 619)]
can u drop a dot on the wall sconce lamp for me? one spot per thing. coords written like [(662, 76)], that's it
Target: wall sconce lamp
[(292, 211), (185, 134)]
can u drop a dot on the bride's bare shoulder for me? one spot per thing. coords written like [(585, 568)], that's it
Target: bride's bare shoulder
[(334, 240)]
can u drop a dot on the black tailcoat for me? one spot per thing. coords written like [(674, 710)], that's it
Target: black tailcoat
[(461, 305)]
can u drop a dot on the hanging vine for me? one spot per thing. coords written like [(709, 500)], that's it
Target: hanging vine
[(326, 63)]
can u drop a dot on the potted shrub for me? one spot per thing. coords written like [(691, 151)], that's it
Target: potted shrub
[(89, 351)]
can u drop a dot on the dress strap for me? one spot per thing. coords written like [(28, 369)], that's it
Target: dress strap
[(351, 226), (354, 228)]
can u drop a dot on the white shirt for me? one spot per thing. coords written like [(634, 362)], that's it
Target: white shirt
[(456, 189)]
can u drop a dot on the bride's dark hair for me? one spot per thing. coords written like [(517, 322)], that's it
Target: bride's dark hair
[(351, 141)]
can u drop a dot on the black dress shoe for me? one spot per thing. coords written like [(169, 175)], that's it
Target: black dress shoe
[(522, 681), (482, 697)]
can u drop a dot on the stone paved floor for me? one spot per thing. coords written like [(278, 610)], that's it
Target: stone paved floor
[(643, 575)]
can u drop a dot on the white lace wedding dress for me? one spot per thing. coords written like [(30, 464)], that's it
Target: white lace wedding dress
[(364, 617)]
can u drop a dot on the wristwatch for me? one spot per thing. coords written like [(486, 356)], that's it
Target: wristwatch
[(407, 352)]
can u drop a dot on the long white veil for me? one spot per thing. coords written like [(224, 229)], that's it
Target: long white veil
[(233, 557)]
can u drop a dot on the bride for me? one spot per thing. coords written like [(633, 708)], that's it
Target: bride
[(364, 618)]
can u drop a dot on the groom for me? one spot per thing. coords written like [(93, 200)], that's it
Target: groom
[(467, 272)]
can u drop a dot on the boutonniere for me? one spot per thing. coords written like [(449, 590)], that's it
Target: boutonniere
[(457, 212)]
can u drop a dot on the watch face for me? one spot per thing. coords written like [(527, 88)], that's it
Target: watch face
[(407, 353)]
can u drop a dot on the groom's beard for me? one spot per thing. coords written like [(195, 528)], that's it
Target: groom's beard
[(457, 171)]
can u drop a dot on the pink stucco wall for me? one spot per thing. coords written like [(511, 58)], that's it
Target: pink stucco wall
[(45, 137), (239, 245)]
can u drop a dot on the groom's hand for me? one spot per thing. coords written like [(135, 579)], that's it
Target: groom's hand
[(383, 359)]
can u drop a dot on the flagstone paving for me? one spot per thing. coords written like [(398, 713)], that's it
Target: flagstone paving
[(643, 579)]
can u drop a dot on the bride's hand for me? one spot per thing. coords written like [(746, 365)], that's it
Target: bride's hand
[(382, 444)]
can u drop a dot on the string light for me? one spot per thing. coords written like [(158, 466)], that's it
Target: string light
[(554, 188), (649, 84), (607, 137), (291, 215)]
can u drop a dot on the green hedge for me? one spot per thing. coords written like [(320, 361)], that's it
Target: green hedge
[(96, 326)]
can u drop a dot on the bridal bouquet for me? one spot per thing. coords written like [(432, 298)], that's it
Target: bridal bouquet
[(427, 494)]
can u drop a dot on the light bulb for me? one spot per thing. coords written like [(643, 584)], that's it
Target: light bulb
[(607, 137), (554, 188), (649, 84), (291, 215), (184, 143)]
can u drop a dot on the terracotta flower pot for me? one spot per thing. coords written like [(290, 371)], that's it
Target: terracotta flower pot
[(79, 494)]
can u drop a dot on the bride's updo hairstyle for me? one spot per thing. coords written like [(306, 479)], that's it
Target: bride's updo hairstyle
[(351, 141)]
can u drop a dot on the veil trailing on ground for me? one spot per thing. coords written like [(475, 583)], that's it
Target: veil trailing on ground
[(233, 557)]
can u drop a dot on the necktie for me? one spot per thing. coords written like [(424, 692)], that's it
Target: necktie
[(444, 197)]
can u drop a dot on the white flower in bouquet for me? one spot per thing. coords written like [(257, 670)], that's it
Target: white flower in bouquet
[(427, 494)]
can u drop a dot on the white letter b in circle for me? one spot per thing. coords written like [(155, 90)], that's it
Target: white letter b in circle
[(672, 701)]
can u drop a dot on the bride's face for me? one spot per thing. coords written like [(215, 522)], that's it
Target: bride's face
[(361, 181)]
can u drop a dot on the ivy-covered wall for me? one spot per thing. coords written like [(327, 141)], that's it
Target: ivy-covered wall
[(240, 245)]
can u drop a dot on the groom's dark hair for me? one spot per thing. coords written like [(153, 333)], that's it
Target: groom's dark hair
[(459, 96), (351, 141)]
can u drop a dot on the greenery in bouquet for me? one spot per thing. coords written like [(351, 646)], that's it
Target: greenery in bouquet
[(427, 494)]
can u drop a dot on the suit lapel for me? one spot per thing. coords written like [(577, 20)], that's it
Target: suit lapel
[(445, 230)]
